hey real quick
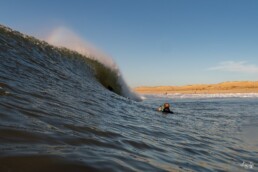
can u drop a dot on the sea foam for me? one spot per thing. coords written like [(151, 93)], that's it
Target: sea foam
[(218, 95)]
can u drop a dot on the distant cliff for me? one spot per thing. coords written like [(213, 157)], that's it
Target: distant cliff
[(224, 87)]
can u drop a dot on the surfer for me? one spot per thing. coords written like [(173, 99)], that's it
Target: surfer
[(165, 108)]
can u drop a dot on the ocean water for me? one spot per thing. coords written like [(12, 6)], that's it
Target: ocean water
[(58, 114), (211, 134)]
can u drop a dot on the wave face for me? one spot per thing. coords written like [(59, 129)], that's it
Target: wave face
[(71, 51), (63, 37), (56, 114), (50, 96)]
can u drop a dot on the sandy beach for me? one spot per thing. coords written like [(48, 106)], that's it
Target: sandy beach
[(224, 87)]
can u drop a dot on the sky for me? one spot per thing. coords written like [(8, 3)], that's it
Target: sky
[(154, 42)]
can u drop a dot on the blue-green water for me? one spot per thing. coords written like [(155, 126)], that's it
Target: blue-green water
[(211, 134)]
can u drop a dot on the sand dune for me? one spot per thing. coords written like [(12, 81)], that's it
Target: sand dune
[(224, 87)]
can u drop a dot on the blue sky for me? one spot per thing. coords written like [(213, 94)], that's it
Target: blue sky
[(154, 42)]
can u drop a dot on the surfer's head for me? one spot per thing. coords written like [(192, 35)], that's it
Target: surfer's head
[(166, 105)]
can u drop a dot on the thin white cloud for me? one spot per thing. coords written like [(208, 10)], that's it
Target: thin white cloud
[(236, 66)]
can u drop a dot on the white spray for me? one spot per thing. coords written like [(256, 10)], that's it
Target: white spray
[(63, 37)]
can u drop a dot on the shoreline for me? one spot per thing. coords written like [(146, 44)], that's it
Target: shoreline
[(221, 88)]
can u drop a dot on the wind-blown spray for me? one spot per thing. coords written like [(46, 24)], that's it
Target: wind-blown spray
[(63, 37)]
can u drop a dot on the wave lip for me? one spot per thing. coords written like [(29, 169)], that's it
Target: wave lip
[(63, 37)]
